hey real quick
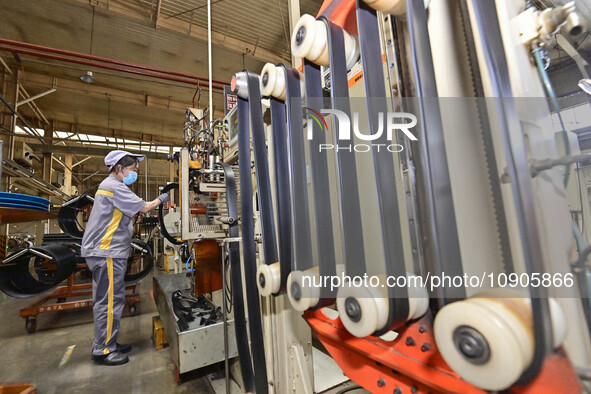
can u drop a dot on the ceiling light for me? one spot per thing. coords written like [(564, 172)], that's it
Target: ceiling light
[(88, 78), (585, 84)]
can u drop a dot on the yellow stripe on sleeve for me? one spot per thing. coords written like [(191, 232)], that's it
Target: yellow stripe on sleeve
[(104, 193), (106, 241), (110, 300)]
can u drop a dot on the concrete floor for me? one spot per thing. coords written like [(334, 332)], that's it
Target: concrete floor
[(40, 357), (36, 358)]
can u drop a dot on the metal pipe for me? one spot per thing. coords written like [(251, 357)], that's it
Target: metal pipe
[(39, 254), (104, 60), (14, 256), (209, 61), (225, 318), (105, 66)]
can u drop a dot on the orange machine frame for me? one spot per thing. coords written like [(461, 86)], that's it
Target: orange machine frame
[(412, 363)]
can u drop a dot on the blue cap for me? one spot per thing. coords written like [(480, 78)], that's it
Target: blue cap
[(114, 156)]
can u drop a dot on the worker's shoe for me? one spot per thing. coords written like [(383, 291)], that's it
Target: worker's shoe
[(123, 348), (114, 358)]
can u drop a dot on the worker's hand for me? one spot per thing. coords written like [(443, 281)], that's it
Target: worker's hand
[(163, 198)]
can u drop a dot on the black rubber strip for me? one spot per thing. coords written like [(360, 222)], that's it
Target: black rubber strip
[(131, 278), (303, 258), (261, 162), (375, 91), (320, 184), (282, 189), (432, 171), (28, 275), (349, 201), (240, 330), (163, 230), (246, 115), (487, 25), (67, 217)]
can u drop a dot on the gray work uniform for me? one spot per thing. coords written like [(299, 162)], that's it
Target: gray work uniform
[(105, 246)]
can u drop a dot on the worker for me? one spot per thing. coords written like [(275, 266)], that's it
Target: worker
[(106, 247)]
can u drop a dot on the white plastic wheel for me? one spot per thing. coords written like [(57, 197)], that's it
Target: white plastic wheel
[(520, 300), (507, 336), (268, 279), (363, 310), (273, 81), (374, 304), (394, 7), (239, 84), (308, 295), (309, 40), (268, 77)]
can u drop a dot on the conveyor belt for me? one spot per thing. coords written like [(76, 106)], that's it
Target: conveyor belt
[(489, 33), (297, 161), (320, 183), (390, 219), (432, 171), (349, 201), (283, 189), (250, 117), (236, 282)]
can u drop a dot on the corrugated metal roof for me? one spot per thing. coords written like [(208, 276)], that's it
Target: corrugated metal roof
[(264, 23)]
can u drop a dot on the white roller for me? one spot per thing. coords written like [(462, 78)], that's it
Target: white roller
[(268, 78), (394, 7), (519, 298), (373, 303), (309, 295), (273, 82), (270, 275), (506, 333), (506, 325), (310, 40), (239, 84)]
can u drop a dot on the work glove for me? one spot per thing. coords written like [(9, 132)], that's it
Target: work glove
[(163, 198)]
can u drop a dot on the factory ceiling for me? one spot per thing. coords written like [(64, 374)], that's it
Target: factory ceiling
[(164, 34)]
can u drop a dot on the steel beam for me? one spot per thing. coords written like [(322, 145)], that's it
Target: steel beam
[(35, 97), (87, 151)]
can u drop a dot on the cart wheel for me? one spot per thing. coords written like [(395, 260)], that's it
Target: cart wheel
[(132, 309), (61, 300), (31, 324)]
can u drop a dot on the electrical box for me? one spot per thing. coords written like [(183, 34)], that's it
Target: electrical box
[(57, 178), (23, 154)]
